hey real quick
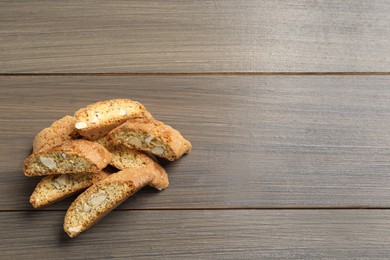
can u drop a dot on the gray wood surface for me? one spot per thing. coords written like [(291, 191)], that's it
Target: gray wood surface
[(202, 234), (258, 141), (286, 104), (194, 36)]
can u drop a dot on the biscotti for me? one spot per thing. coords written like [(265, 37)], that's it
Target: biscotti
[(76, 156), (150, 135), (107, 151), (53, 188), (102, 197), (97, 119), (59, 132), (126, 158)]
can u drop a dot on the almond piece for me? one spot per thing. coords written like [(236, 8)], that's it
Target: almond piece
[(122, 111), (61, 180), (136, 142), (75, 229), (157, 150), (149, 139), (95, 120), (57, 185), (86, 208), (80, 125), (48, 162), (98, 199), (63, 155)]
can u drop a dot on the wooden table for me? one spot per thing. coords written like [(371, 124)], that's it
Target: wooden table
[(286, 104)]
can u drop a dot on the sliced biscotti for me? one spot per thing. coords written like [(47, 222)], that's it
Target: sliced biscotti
[(54, 188), (76, 156), (126, 158), (102, 197), (150, 135), (97, 119), (54, 135)]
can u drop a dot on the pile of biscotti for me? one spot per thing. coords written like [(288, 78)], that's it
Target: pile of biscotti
[(74, 153)]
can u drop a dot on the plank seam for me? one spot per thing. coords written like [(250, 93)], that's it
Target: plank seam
[(380, 73), (217, 209)]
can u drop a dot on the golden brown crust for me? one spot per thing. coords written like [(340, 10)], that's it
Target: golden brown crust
[(93, 151), (102, 197), (54, 188), (160, 180), (172, 143), (97, 119), (54, 135), (76, 156)]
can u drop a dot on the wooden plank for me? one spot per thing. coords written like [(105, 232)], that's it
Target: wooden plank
[(258, 141), (202, 234), (194, 36)]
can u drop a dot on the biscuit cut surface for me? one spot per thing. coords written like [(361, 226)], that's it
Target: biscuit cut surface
[(76, 156), (59, 132), (97, 119), (150, 135), (102, 197), (126, 158), (54, 188)]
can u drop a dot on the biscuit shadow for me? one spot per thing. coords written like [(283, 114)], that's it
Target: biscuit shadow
[(63, 239)]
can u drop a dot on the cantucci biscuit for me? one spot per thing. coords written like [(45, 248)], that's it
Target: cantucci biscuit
[(150, 135), (59, 132), (102, 197), (76, 156), (97, 119), (54, 188), (126, 158)]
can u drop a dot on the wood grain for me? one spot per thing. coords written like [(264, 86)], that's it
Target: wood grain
[(258, 141), (194, 36), (198, 234)]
